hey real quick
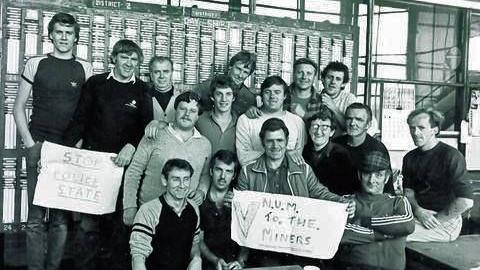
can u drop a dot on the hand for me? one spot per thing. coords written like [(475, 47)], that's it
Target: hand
[(197, 196), (221, 264), (129, 215), (152, 129), (195, 263), (234, 265), (227, 199), (125, 156), (298, 110), (296, 157), (328, 101), (427, 218), (253, 112)]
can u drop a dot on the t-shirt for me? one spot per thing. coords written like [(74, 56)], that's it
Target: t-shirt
[(437, 176), (56, 89)]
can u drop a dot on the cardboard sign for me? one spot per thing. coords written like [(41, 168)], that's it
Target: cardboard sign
[(77, 180), (296, 225)]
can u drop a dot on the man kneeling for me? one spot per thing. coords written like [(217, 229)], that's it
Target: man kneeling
[(165, 233), (375, 237)]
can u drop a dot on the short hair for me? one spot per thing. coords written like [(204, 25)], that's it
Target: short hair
[(306, 61), (360, 106), (67, 19), (337, 66), (228, 157), (187, 97), (277, 80), (222, 82), (126, 46), (247, 58), (159, 59), (324, 113), (273, 124), (435, 117), (176, 163)]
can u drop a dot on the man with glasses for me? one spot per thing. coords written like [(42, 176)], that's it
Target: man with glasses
[(331, 162)]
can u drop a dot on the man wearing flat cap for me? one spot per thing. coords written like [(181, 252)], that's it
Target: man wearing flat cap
[(375, 237)]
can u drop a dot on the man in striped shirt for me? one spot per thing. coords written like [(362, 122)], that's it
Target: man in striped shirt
[(165, 233)]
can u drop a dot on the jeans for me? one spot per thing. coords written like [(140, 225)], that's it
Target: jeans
[(46, 228), (102, 243)]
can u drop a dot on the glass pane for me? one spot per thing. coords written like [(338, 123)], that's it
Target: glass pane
[(327, 6), (278, 3), (322, 17), (474, 52), (275, 12), (442, 98), (437, 53), (205, 5)]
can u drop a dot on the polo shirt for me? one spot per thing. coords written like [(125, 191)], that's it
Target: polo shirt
[(219, 139)]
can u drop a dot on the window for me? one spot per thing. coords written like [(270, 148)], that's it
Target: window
[(325, 10)]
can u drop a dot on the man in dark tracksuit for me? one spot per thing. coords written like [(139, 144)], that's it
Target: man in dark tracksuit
[(111, 117), (375, 237)]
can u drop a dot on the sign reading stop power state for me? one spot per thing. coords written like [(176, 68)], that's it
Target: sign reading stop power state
[(77, 180)]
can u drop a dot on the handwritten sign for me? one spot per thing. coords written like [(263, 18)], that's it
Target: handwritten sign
[(296, 225), (77, 180)]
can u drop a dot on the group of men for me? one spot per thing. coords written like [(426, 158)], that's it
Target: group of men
[(184, 152)]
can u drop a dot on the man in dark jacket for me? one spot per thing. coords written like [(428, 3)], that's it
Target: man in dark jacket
[(276, 172)]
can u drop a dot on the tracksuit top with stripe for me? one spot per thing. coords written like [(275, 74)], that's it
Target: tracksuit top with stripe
[(162, 238), (375, 236)]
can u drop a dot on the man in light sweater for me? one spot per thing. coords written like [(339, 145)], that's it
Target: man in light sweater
[(179, 139), (275, 97)]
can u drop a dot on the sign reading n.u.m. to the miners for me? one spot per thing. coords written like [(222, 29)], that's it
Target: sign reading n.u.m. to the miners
[(77, 180), (296, 225)]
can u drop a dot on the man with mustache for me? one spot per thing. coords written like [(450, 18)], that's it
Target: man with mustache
[(357, 141), (219, 124), (180, 139), (110, 117), (275, 97), (240, 67), (434, 177)]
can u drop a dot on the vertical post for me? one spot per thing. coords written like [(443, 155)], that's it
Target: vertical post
[(368, 54), (234, 5), (462, 97), (251, 6), (301, 10)]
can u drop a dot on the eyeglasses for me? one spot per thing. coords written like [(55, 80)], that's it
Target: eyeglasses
[(322, 127)]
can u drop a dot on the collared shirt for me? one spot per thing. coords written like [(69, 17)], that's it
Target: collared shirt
[(277, 182), (219, 139), (313, 104), (196, 133), (112, 75)]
